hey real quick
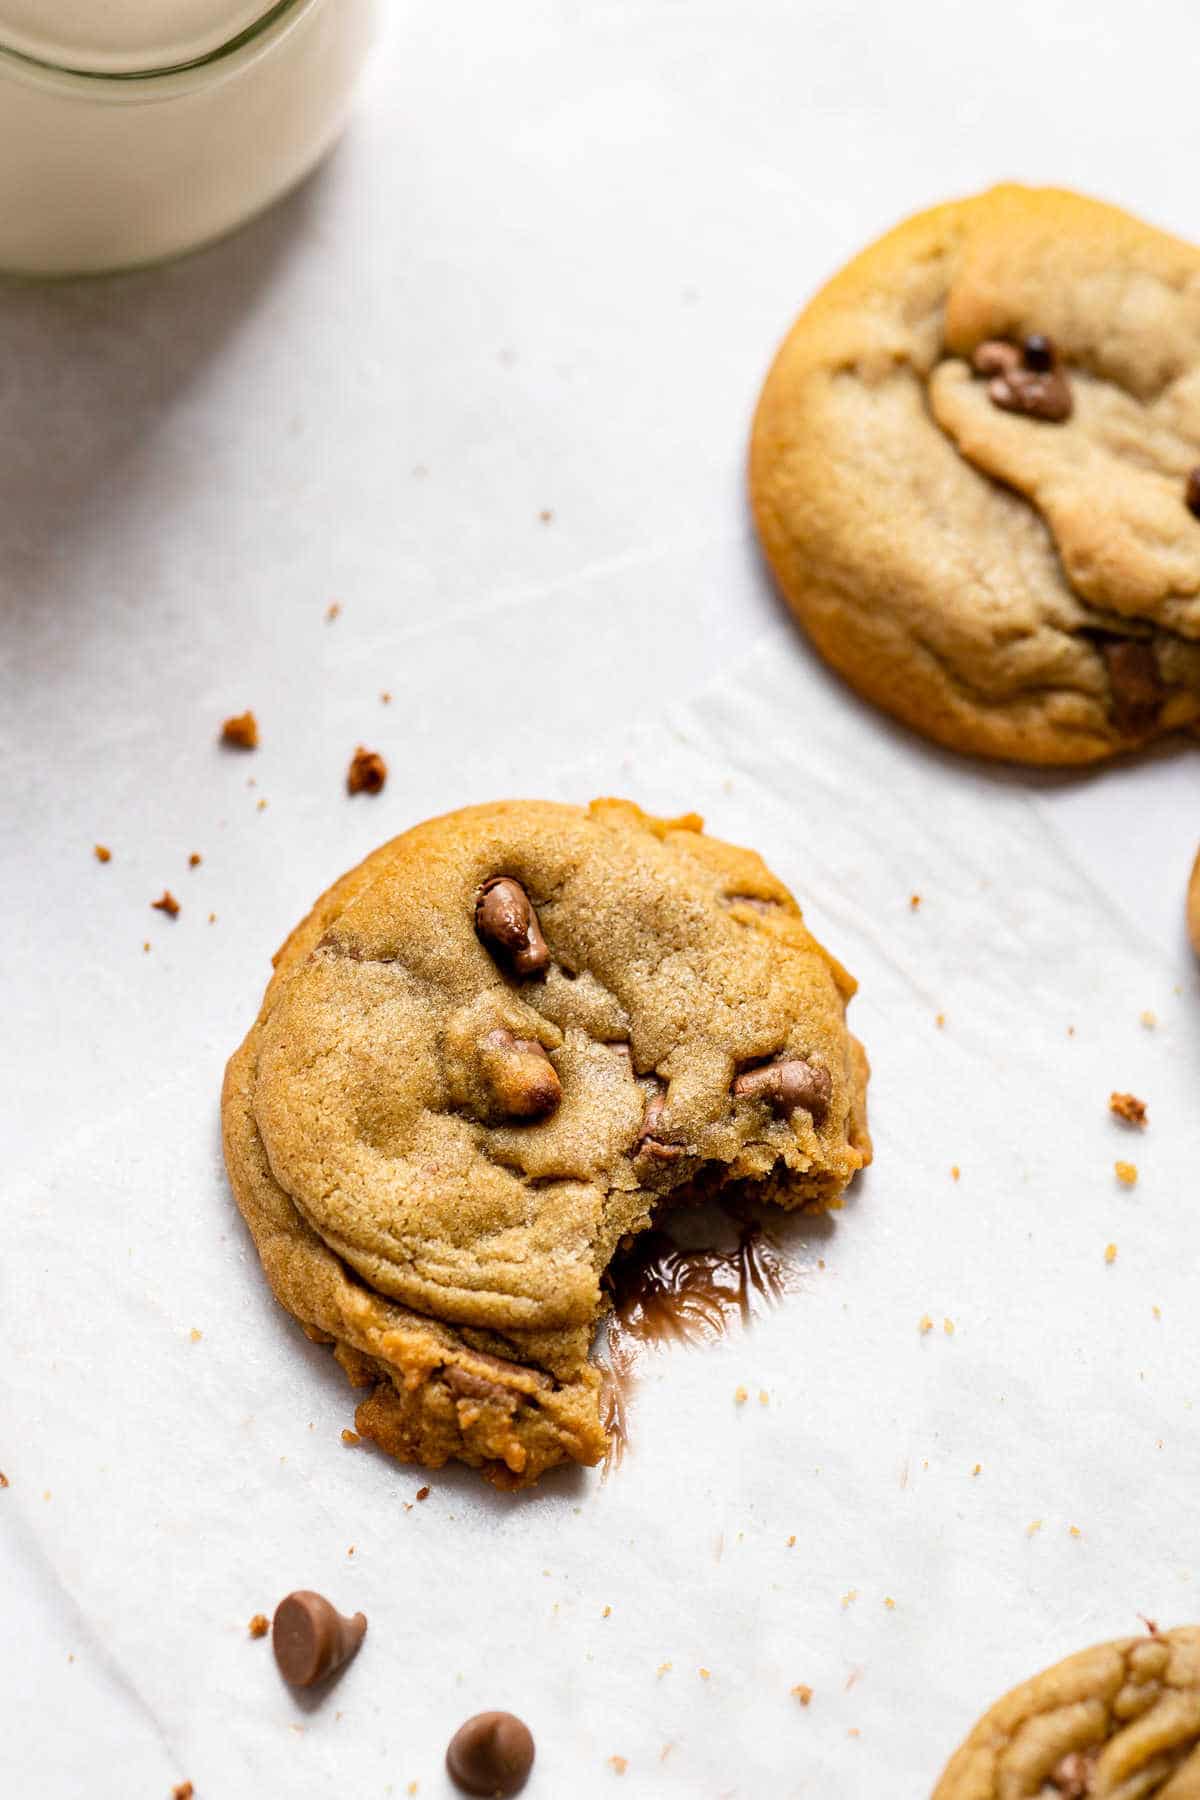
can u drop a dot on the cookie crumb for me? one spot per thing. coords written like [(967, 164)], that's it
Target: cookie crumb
[(385, 698), (259, 1625), (977, 1470), (705, 1674), (1070, 1031), (940, 1021), (350, 1438), (1127, 1107), (4, 1481), (351, 1550), (948, 1327), (195, 859), (411, 1788), (853, 1731), (167, 903), (664, 1669), (241, 731), (955, 1171), (764, 1399), (195, 1334), (146, 947), (261, 805), (102, 853), (607, 1613), (368, 772), (740, 1396), (803, 1693), (183, 1791), (914, 901), (618, 1764), (791, 1543), (545, 515), (889, 1603), (1149, 1019), (422, 1493), (1126, 1173), (212, 918), (850, 1595), (333, 611), (1074, 1531), (1034, 1526), (1157, 1311), (1110, 1253), (924, 1324)]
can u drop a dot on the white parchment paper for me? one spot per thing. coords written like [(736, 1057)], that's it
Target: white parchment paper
[(190, 1483)]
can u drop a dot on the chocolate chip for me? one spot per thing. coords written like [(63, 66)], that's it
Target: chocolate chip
[(1192, 491), (995, 357), (519, 1076), (491, 1755), (1036, 395), (1039, 352), (649, 1143), (508, 925), (312, 1638), (1136, 687), (788, 1085)]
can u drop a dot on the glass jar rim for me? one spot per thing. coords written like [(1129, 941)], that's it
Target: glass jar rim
[(271, 14)]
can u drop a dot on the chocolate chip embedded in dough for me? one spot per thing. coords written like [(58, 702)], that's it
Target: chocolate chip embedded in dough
[(507, 923), (1137, 689), (649, 1143), (1192, 491), (1040, 352), (1037, 395), (491, 1755), (789, 1085), (518, 1075), (312, 1638)]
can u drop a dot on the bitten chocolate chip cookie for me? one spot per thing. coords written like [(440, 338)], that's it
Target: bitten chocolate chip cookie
[(975, 470), (1120, 1722), (485, 1057)]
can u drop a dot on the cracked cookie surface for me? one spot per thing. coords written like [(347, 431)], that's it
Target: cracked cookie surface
[(1118, 1722), (974, 473), (485, 1057)]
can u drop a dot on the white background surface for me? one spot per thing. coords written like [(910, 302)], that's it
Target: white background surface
[(545, 272)]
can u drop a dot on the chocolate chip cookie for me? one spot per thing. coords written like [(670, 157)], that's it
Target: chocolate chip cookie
[(1120, 1721), (485, 1058), (975, 470)]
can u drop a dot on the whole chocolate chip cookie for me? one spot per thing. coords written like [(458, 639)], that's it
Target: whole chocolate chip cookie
[(975, 470), (1121, 1721), (1193, 906), (485, 1058)]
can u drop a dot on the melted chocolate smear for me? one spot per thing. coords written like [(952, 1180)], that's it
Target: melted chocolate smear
[(666, 1290)]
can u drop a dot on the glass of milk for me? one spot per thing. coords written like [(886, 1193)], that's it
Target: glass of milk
[(137, 129)]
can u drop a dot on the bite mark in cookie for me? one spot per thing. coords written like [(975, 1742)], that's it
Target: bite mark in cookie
[(486, 1057)]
